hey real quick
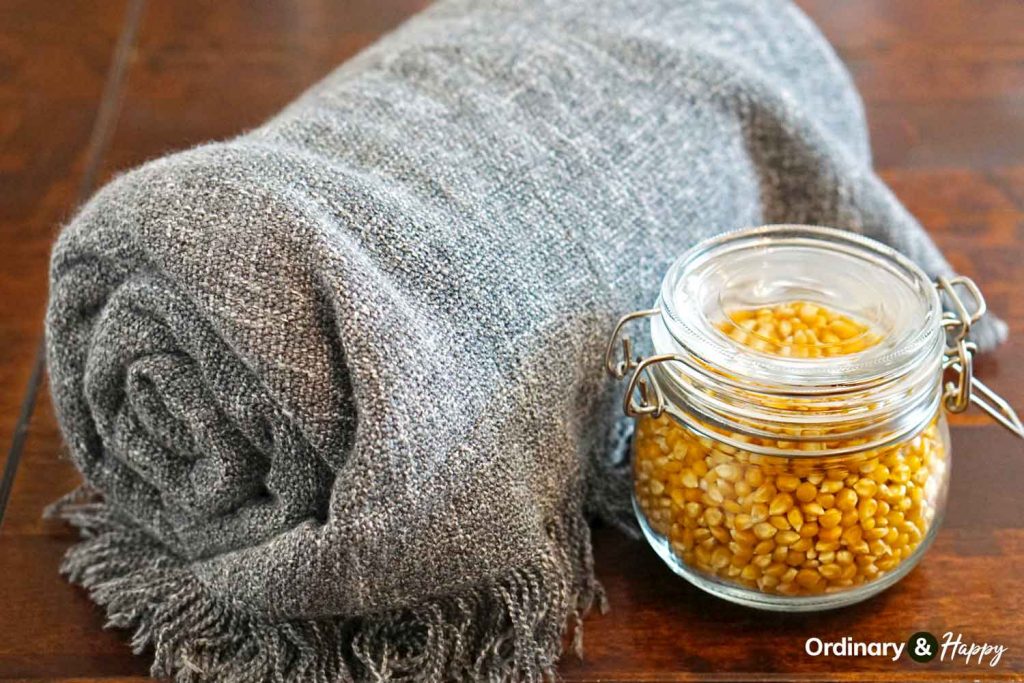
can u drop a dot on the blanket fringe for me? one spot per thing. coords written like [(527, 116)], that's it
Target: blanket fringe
[(510, 629)]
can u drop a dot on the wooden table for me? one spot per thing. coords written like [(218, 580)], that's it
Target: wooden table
[(89, 87)]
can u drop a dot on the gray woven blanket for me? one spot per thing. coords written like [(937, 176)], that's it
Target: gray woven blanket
[(338, 380)]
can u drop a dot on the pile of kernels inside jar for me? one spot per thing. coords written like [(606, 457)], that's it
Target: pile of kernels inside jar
[(776, 524), (799, 329)]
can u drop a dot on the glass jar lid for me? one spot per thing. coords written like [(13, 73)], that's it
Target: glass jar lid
[(880, 381), (889, 388), (768, 266)]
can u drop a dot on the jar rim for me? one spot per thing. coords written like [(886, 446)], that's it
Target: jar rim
[(690, 331), (892, 386)]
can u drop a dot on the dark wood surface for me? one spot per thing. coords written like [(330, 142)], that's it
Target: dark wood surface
[(90, 87)]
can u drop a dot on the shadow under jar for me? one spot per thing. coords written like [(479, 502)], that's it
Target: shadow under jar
[(791, 449)]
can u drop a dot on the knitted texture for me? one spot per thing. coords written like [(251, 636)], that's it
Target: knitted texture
[(336, 384)]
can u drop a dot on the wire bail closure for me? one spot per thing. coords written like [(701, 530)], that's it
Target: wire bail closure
[(643, 397), (638, 384), (964, 389)]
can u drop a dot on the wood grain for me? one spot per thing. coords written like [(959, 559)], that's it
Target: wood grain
[(943, 84), (53, 66), (212, 74)]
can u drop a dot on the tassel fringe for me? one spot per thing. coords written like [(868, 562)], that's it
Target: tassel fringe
[(510, 629)]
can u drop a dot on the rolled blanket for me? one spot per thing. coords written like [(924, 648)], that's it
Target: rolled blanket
[(337, 382)]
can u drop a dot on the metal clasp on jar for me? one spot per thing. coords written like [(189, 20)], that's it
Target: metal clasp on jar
[(965, 389), (643, 397), (651, 401)]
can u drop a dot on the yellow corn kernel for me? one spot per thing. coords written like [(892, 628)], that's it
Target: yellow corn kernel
[(809, 530), (830, 519), (813, 510), (808, 578), (728, 472), (808, 313), (796, 519), (806, 492), (845, 329), (744, 536), (759, 512), (754, 476), (787, 537), (781, 504), (787, 482), (763, 493), (846, 499), (720, 558), (830, 571), (866, 487), (831, 486), (803, 545)]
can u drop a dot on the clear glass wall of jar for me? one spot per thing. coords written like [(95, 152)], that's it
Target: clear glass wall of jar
[(785, 532), (791, 449)]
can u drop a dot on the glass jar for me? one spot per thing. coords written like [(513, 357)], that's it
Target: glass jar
[(790, 449)]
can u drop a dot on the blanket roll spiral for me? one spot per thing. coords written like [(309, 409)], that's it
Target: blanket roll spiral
[(335, 385)]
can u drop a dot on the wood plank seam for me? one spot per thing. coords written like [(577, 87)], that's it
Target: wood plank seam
[(99, 142), (21, 428)]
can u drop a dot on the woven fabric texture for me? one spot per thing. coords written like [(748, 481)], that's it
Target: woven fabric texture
[(335, 385)]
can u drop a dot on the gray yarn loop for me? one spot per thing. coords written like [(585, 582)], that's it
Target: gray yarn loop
[(335, 384)]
